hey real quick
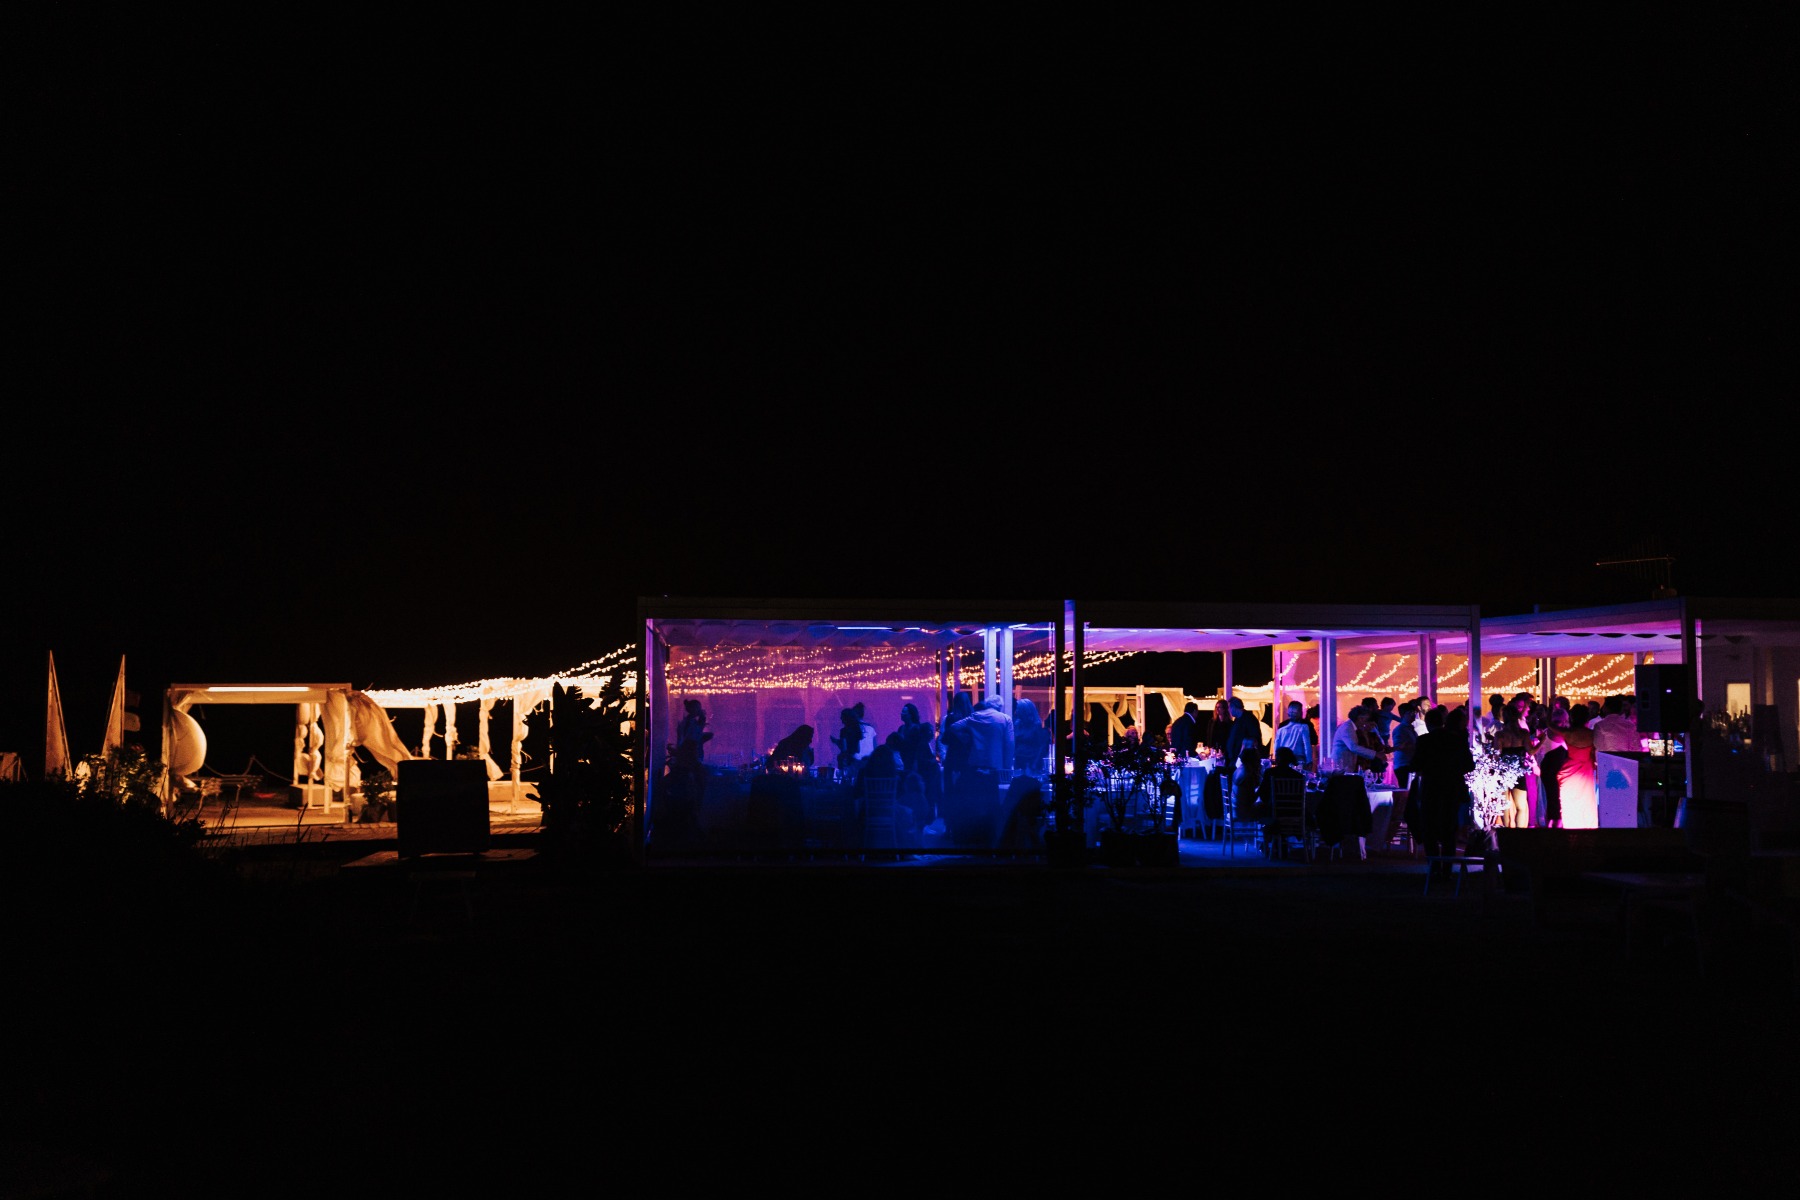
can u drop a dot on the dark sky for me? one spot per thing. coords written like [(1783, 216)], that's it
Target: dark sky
[(408, 354)]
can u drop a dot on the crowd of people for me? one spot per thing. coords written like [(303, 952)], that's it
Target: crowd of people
[(1432, 744), (954, 778), (960, 773)]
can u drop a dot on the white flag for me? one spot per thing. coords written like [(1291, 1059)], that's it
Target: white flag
[(56, 737), (115, 717)]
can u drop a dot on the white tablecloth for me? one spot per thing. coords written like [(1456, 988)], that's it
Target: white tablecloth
[(1381, 811)]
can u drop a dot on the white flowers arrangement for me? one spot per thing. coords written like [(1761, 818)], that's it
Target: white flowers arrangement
[(1495, 775)]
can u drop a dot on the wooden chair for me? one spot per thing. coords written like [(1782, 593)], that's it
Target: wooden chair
[(1213, 798), (1287, 817), (1239, 826), (1399, 832), (911, 796), (879, 834), (827, 816)]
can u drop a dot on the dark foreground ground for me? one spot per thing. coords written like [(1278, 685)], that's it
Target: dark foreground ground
[(293, 1027)]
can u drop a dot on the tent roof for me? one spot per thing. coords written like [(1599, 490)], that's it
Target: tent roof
[(1150, 626), (1641, 626), (1109, 625)]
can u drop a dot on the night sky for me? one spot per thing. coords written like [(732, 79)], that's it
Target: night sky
[(408, 354)]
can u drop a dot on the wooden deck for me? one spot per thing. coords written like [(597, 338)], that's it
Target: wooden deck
[(255, 822)]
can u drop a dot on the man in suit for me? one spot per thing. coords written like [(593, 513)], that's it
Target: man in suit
[(1245, 729), (1184, 734)]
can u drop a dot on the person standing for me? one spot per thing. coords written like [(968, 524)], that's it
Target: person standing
[(1615, 731), (1516, 741), (1218, 734), (1405, 744), (1029, 738), (955, 741), (1442, 761), (867, 743), (1350, 750), (691, 735), (1552, 753), (1246, 783), (1491, 720), (1296, 735), (916, 754), (1577, 777), (1386, 718), (975, 804), (1246, 730), (1184, 733), (855, 740)]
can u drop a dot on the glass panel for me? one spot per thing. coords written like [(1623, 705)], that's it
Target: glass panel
[(796, 740)]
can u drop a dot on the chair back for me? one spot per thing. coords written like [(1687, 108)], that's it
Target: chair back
[(1287, 811), (912, 797), (879, 795)]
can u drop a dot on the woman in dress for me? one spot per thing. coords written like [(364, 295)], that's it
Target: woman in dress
[(1246, 781), (1552, 753), (1218, 734), (1516, 741), (1577, 783)]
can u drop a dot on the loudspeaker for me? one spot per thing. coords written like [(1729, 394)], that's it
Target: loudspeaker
[(1662, 698), (441, 807)]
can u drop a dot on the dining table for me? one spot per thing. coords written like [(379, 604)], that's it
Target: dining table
[(1385, 800), (1347, 806)]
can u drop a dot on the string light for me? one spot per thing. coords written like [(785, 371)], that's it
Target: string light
[(594, 673), (725, 670)]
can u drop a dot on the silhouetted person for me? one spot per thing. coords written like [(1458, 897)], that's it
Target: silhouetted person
[(1246, 782), (1184, 732), (678, 801), (956, 741), (692, 730), (1030, 740), (917, 756), (797, 745), (1296, 734), (1246, 730), (975, 803), (855, 740), (1442, 762), (1285, 768)]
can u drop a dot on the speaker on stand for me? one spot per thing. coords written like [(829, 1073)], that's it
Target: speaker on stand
[(1664, 692)]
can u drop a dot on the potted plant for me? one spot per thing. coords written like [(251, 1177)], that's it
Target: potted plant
[(377, 793), (1065, 842), (1133, 776), (590, 799)]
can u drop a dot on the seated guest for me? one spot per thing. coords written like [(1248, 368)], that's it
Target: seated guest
[(1285, 768), (796, 745), (1246, 782), (1296, 735)]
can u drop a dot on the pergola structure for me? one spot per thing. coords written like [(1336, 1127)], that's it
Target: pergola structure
[(322, 732)]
